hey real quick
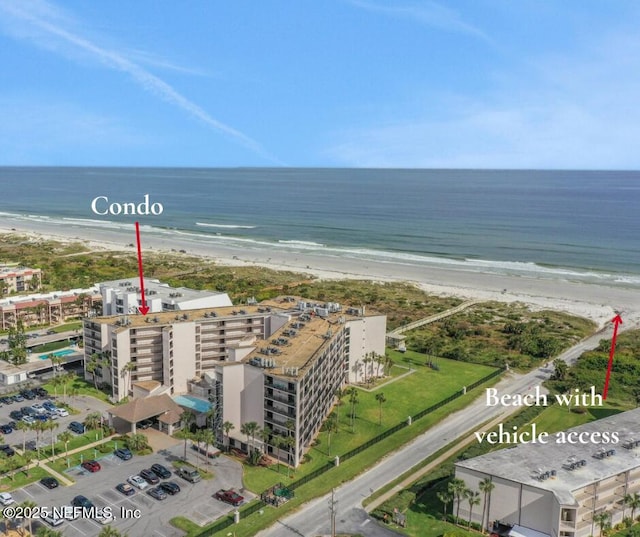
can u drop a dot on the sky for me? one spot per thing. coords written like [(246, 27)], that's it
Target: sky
[(337, 83)]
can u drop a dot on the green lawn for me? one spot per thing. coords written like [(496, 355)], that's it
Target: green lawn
[(49, 347), (404, 398), (76, 442), (558, 417), (79, 386), (67, 327), (21, 479)]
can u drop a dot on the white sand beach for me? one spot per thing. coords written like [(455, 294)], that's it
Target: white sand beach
[(598, 302)]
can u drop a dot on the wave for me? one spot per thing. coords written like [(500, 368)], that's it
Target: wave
[(303, 243), (225, 226)]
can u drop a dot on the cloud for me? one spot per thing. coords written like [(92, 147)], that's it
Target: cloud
[(574, 111), (45, 22), (426, 13)]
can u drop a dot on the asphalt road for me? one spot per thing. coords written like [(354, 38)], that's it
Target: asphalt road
[(312, 519)]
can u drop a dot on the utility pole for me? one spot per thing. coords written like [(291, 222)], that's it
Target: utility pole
[(332, 512)]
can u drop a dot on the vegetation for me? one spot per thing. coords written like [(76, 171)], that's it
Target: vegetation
[(498, 334)]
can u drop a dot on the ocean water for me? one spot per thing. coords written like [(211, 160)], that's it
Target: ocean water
[(574, 225)]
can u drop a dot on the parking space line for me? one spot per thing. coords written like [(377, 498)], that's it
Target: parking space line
[(161, 534), (77, 529), (27, 493)]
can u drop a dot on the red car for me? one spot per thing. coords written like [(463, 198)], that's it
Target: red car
[(229, 496), (91, 466)]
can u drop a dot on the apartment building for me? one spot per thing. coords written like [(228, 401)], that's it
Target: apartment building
[(48, 308), (19, 279), (122, 297), (559, 489), (277, 363)]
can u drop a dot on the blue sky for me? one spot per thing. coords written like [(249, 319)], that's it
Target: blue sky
[(355, 83)]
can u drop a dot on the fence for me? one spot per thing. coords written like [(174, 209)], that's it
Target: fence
[(253, 507)]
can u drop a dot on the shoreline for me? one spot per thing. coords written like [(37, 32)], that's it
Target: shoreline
[(595, 301)]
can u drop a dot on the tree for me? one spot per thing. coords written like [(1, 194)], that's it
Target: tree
[(138, 442), (17, 344), (265, 435), (188, 417), (198, 437), (67, 378), (485, 486), (633, 501), (381, 400), (353, 400), (250, 430), (227, 427), (29, 505), (44, 531), (331, 426), (127, 372), (561, 369), (39, 427), (108, 531), (473, 497), (289, 442), (603, 520), (93, 420), (209, 439), (52, 426), (65, 437), (457, 488), (445, 497), (92, 365), (27, 458), (277, 441), (24, 427)]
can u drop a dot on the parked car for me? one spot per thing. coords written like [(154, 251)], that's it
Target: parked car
[(53, 519), (28, 420), (51, 415), (144, 424), (229, 496), (28, 394), (50, 332), (62, 412), (123, 453), (41, 392), (149, 476), (6, 499), (82, 501), (49, 405), (161, 471), (157, 493), (91, 466), (6, 400), (5, 429), (170, 487), (18, 398), (126, 489), (8, 450), (104, 518), (15, 415), (76, 427), (138, 482), (38, 408), (190, 474), (49, 482), (41, 417), (28, 411)]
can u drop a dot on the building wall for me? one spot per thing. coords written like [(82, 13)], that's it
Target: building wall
[(184, 356), (19, 280), (367, 335)]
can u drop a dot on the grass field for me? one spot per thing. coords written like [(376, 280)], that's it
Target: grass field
[(78, 386), (61, 464), (21, 479)]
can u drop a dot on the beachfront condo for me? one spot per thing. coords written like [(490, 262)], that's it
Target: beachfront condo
[(14, 279)]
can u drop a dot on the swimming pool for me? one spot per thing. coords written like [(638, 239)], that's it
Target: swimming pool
[(63, 352), (194, 403)]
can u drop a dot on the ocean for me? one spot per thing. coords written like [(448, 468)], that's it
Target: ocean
[(572, 225)]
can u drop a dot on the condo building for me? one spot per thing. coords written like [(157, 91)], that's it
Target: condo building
[(277, 363), (19, 279), (121, 297), (560, 489), (48, 308)]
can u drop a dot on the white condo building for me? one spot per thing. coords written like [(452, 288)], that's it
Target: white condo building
[(122, 297), (558, 489)]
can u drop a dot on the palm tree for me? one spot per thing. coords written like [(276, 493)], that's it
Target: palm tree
[(245, 430), (277, 441), (66, 379), (290, 443), (265, 435), (188, 417), (52, 426), (209, 439), (29, 505), (251, 430), (353, 400), (55, 362), (127, 372), (381, 400), (227, 427), (27, 458), (473, 497), (198, 438), (65, 437), (331, 426), (445, 497), (43, 531), (93, 420), (138, 442), (339, 394), (485, 486), (634, 502), (603, 520), (457, 488), (24, 427), (38, 427), (92, 365), (108, 531)]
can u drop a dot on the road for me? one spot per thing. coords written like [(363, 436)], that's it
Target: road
[(312, 519)]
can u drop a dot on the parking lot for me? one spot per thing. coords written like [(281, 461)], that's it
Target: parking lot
[(195, 501)]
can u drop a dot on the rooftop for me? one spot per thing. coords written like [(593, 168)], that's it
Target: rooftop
[(54, 295), (526, 462), (149, 407), (155, 288)]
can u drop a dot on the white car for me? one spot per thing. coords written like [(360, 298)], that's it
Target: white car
[(38, 408), (62, 412), (70, 512), (138, 482), (53, 519), (103, 518), (7, 499)]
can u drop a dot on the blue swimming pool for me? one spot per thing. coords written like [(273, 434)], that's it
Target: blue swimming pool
[(193, 403), (63, 352)]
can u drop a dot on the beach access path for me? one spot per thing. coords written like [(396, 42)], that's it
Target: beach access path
[(313, 518)]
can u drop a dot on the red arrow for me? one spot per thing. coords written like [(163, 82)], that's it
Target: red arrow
[(144, 309), (617, 321)]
